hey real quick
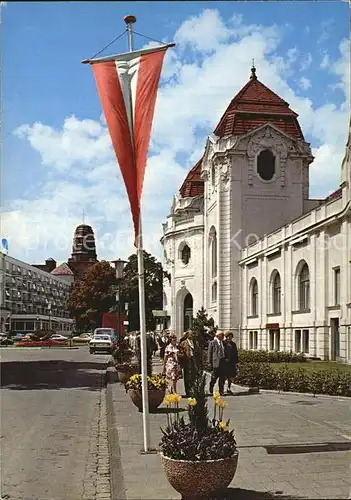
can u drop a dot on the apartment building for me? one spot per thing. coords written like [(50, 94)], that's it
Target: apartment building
[(32, 298)]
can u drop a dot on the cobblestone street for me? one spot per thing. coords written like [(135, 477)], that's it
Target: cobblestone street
[(53, 425)]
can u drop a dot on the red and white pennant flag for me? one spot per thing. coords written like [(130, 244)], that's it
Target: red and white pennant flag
[(127, 85)]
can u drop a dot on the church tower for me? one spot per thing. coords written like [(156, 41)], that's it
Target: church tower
[(256, 173), (83, 250)]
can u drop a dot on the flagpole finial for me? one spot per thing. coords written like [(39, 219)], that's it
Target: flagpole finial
[(129, 19)]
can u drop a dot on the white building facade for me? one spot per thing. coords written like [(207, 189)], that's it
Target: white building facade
[(32, 299), (245, 241)]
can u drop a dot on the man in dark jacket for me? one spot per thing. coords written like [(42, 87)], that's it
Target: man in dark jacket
[(217, 362), (232, 359)]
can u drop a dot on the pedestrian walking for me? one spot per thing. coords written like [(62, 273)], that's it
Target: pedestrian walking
[(188, 362), (162, 342), (232, 359), (217, 362), (171, 366)]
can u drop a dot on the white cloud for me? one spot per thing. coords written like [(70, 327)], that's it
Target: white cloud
[(204, 32), (194, 94), (79, 141), (305, 83)]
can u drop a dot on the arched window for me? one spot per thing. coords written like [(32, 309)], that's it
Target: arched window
[(254, 297), (214, 292), (276, 294), (266, 165), (304, 288), (185, 254), (213, 252)]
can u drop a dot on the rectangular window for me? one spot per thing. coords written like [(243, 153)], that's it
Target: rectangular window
[(19, 326), (255, 340), (297, 340), (305, 341), (271, 340), (250, 340), (337, 286), (277, 340), (274, 340)]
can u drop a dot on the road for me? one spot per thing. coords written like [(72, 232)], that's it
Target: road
[(50, 402)]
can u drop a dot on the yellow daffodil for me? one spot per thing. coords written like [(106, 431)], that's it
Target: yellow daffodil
[(177, 398), (166, 400), (171, 398), (216, 395), (221, 403), (192, 401), (222, 425)]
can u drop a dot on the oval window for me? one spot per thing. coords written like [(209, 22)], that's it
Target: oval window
[(266, 165)]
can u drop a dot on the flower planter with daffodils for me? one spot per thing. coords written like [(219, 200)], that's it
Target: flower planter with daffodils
[(157, 385), (200, 456)]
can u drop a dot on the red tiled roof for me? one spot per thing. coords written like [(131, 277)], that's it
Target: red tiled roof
[(255, 105), (252, 107), (334, 196), (62, 270), (193, 185)]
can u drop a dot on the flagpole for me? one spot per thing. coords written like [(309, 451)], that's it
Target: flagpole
[(129, 20)]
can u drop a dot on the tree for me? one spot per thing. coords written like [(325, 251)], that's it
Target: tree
[(129, 289), (92, 295), (202, 327)]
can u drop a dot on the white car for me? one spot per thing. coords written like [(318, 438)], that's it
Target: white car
[(100, 343), (58, 337)]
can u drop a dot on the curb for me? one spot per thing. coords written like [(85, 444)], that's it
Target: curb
[(118, 491), (275, 391)]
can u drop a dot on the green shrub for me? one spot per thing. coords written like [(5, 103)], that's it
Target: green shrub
[(289, 378), (247, 356)]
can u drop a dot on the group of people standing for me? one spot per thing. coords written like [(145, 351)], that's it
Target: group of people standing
[(179, 360)]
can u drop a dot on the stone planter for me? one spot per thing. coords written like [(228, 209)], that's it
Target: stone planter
[(156, 397), (200, 480)]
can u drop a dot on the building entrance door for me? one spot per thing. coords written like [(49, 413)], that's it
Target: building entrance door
[(334, 339), (188, 312)]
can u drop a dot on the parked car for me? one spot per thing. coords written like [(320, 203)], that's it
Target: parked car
[(101, 343), (58, 337), (5, 340), (83, 338), (18, 336)]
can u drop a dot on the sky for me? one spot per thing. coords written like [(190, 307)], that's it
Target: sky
[(57, 160)]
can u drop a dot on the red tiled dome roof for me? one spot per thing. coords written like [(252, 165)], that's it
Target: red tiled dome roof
[(193, 185), (62, 270), (255, 105), (252, 107)]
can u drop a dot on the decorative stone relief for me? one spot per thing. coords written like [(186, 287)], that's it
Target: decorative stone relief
[(225, 173), (267, 138), (205, 175), (183, 284)]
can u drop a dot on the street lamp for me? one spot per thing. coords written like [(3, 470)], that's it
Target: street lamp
[(49, 309), (118, 266)]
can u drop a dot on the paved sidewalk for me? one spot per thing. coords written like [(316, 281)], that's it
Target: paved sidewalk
[(290, 446)]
